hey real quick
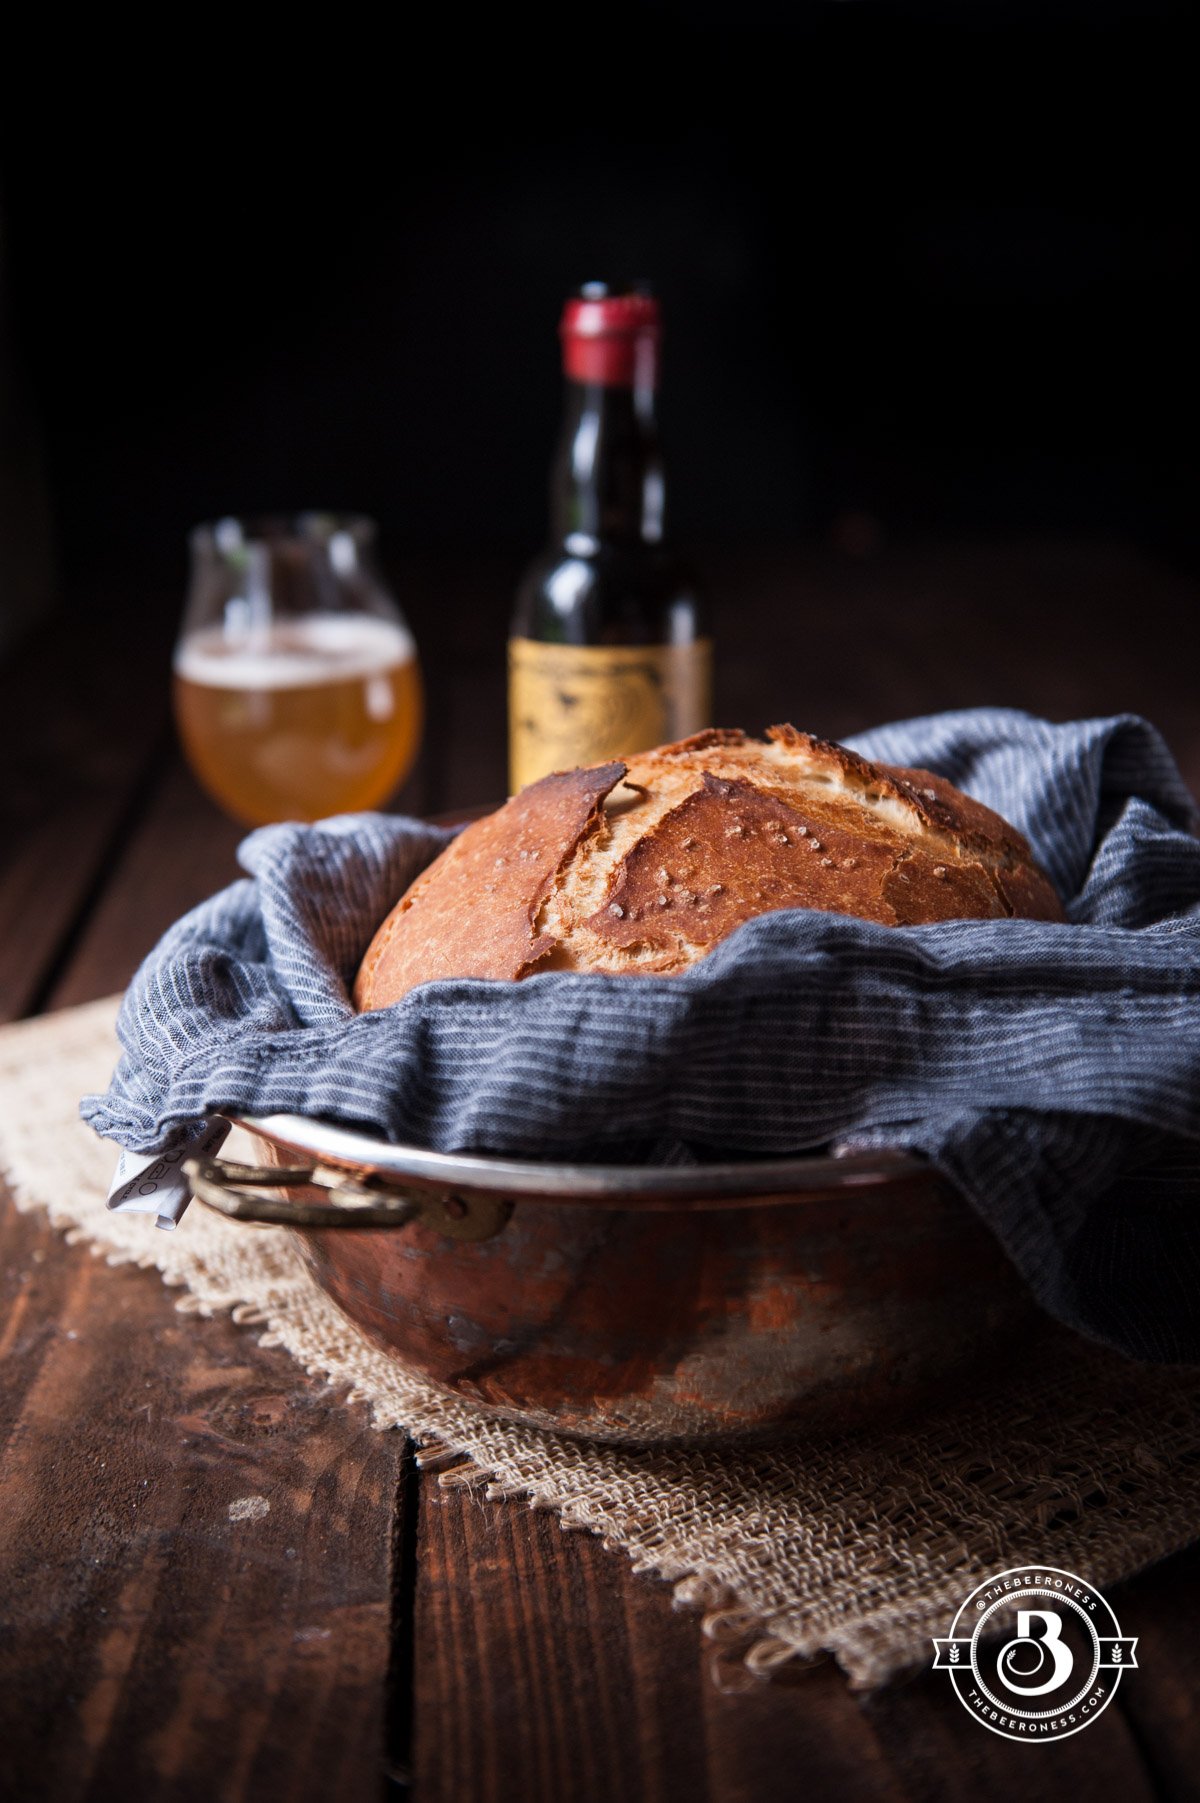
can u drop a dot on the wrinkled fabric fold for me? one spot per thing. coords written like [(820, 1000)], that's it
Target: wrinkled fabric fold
[(1051, 1071)]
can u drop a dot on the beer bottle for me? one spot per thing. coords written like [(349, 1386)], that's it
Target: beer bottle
[(609, 652)]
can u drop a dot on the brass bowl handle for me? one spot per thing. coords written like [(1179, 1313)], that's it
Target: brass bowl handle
[(232, 1189)]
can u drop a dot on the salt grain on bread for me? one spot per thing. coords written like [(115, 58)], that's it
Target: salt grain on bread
[(643, 867)]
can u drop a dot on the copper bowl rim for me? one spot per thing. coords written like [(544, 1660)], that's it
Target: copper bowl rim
[(732, 1181)]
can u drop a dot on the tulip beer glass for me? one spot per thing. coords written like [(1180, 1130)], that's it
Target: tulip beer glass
[(297, 688)]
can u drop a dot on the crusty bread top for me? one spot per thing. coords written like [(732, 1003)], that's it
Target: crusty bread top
[(645, 867)]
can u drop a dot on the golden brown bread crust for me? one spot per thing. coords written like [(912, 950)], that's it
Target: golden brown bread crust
[(473, 912), (645, 867)]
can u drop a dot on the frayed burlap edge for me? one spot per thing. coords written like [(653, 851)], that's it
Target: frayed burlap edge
[(860, 1548)]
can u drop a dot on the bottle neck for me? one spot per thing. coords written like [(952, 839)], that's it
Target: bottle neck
[(607, 482)]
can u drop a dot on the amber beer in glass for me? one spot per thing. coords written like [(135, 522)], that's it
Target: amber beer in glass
[(296, 683), (609, 652)]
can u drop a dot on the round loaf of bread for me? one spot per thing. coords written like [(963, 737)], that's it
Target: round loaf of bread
[(642, 867)]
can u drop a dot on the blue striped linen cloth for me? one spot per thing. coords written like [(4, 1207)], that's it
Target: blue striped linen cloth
[(1052, 1072)]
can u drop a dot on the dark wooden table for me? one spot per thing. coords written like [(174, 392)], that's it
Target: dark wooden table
[(376, 1632)]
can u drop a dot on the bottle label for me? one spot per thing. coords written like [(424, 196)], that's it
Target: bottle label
[(584, 704)]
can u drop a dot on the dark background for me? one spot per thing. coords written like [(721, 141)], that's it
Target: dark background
[(931, 265)]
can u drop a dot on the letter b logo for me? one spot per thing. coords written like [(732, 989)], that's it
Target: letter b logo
[(1032, 1664)]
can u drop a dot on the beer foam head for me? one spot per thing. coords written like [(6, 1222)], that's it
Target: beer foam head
[(304, 652)]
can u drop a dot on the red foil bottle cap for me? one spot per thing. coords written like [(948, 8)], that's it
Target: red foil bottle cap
[(611, 338)]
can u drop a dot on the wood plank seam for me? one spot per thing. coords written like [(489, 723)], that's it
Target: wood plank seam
[(137, 805)]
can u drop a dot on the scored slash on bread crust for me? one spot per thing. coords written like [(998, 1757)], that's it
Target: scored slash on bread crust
[(645, 867)]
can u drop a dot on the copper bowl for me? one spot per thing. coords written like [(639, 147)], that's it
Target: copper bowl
[(641, 1304)]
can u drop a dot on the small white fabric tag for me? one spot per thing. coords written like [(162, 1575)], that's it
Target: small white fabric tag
[(153, 1183)]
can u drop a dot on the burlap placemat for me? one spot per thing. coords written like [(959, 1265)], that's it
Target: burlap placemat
[(861, 1548)]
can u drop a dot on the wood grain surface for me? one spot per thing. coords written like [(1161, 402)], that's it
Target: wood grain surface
[(215, 1579), (194, 1549), (560, 1664)]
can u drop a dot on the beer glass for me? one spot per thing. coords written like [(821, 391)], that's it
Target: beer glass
[(296, 685)]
